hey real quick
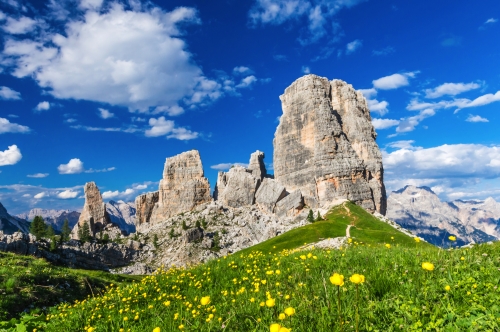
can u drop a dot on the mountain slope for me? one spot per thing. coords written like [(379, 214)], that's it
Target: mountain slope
[(420, 210), (53, 217), (365, 228), (10, 224), (122, 214)]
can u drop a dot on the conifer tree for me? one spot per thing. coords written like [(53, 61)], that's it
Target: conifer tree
[(184, 226), (84, 233), (318, 217), (66, 231), (310, 216), (50, 232), (38, 227), (155, 241), (53, 243)]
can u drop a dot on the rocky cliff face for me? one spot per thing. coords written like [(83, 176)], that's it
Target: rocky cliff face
[(325, 145), (94, 211), (420, 210), (144, 205), (182, 188), (10, 224)]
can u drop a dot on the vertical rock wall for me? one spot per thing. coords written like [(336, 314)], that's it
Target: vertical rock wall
[(144, 205), (94, 211), (182, 188), (325, 145)]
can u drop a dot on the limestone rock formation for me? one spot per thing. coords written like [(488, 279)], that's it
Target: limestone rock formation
[(144, 205), (94, 211), (256, 165), (237, 187), (291, 205), (325, 145), (10, 224), (268, 194), (182, 188)]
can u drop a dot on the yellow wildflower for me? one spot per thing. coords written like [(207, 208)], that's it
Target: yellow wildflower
[(357, 278), (337, 279), (289, 311), (452, 238), (274, 327), (205, 300), (447, 288), (427, 266), (282, 316), (388, 246), (271, 302), (417, 239)]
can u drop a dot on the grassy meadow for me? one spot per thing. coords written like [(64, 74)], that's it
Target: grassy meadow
[(282, 289)]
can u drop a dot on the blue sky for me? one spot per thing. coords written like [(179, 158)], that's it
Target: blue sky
[(104, 91)]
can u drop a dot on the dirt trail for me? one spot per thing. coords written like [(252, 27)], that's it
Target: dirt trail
[(347, 233)]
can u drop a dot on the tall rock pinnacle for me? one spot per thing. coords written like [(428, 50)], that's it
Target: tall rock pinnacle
[(94, 211), (325, 145), (182, 188)]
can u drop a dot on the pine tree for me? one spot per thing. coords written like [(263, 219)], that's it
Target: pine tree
[(50, 232), (53, 243), (66, 231), (155, 241), (105, 239), (184, 226), (310, 216), (38, 227), (318, 217), (84, 233)]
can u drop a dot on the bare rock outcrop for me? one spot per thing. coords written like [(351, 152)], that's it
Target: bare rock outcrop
[(237, 187), (291, 205), (268, 194), (325, 145), (256, 165), (94, 211), (182, 188), (144, 205)]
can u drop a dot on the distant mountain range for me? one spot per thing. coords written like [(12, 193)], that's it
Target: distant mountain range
[(420, 210), (121, 213), (10, 224)]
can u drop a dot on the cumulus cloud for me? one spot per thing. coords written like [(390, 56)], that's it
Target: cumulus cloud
[(353, 46), (491, 20), (170, 110), (451, 89), (74, 166), (8, 127), (105, 114), (393, 81), (162, 127), (483, 100), (476, 118), (226, 166), (384, 123), (450, 167), (133, 58), (404, 144), (116, 193), (7, 93), (379, 107), (40, 195), (318, 13), (242, 70), (408, 124), (247, 82), (416, 105), (11, 156), (306, 70), (368, 93), (42, 106), (67, 194), (21, 25), (38, 175)]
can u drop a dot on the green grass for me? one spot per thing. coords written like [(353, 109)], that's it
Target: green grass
[(365, 228), (28, 283), (397, 295)]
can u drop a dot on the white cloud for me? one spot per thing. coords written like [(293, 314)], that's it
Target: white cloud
[(38, 175), (384, 51), (476, 118), (91, 170), (11, 156), (247, 82), (140, 186), (450, 89), (483, 100), (368, 93), (105, 114), (74, 166), (416, 105), (40, 195), (384, 123), (116, 193), (43, 106), (409, 124), (242, 70), (491, 20), (318, 13), (162, 127), (90, 4), (353, 46), (135, 59), (67, 194), (376, 106), (170, 110), (306, 70), (7, 93), (393, 81), (70, 120), (8, 127), (26, 195), (404, 144), (226, 166), (20, 26)]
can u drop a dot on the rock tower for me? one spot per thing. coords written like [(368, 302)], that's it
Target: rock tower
[(325, 145), (94, 211)]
